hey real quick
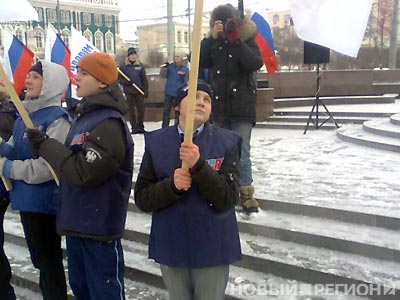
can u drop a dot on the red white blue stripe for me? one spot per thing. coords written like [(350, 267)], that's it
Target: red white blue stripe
[(265, 43), (17, 60), (57, 52)]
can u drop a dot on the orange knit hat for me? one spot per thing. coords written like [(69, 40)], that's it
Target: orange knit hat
[(101, 66)]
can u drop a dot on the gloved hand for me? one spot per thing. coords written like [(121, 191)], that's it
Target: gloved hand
[(35, 139), (231, 30), (164, 65)]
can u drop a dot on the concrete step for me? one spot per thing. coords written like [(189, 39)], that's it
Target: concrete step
[(321, 117), (395, 119), (382, 127), (295, 125), (356, 134), (289, 256), (27, 277), (309, 101), (306, 112), (243, 282)]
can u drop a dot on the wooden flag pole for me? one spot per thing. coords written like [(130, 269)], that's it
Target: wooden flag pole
[(21, 110), (193, 74), (133, 84)]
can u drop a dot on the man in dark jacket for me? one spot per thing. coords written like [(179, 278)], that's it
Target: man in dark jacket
[(95, 168), (7, 118), (232, 57), (135, 85), (194, 234)]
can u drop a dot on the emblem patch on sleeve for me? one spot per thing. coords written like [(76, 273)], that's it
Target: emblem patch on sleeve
[(215, 163), (92, 155)]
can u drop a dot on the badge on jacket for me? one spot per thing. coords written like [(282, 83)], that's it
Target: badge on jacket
[(92, 155), (215, 163)]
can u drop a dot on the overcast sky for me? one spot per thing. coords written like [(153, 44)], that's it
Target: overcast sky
[(140, 12)]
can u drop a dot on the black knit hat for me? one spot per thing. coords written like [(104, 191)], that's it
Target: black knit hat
[(37, 68), (183, 91), (132, 50)]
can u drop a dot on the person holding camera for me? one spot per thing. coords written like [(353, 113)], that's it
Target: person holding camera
[(232, 57), (176, 74)]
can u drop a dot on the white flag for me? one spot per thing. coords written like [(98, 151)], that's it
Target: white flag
[(336, 24), (79, 47), (17, 10)]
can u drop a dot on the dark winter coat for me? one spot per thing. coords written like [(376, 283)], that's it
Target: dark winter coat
[(137, 74), (95, 168), (195, 228), (232, 73), (7, 118)]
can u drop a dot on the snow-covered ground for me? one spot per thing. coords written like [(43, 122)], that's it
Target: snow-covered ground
[(316, 169)]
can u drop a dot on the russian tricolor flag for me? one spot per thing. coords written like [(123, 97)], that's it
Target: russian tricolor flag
[(265, 43), (17, 60), (57, 52)]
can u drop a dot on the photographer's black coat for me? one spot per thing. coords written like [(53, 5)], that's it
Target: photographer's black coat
[(232, 68)]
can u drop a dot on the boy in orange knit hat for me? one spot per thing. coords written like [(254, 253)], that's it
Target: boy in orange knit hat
[(95, 168)]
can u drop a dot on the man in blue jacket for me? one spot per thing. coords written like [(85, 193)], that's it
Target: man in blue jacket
[(194, 234), (176, 75)]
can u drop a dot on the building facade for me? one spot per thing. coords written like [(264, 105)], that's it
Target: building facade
[(153, 40), (96, 19)]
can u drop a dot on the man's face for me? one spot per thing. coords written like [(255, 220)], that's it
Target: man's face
[(202, 110), (178, 59)]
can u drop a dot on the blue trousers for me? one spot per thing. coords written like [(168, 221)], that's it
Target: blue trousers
[(95, 269), (243, 128), (196, 284)]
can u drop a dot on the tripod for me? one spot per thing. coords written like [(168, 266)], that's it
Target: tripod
[(318, 102)]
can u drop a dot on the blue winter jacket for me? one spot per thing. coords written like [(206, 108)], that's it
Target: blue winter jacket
[(175, 78), (42, 197)]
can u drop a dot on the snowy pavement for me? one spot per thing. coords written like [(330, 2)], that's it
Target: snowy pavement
[(314, 169), (319, 169)]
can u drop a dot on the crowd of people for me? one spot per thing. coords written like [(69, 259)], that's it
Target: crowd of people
[(190, 184)]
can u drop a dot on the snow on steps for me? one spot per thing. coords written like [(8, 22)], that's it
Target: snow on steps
[(381, 133), (285, 245)]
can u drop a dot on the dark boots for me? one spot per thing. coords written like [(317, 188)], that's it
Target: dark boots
[(247, 201)]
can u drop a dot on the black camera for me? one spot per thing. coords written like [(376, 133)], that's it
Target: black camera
[(229, 26)]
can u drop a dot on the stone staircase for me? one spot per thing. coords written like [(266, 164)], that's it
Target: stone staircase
[(293, 113), (381, 133), (290, 251)]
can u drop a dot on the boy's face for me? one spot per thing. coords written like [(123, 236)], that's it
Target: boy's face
[(33, 83), (202, 109), (86, 84)]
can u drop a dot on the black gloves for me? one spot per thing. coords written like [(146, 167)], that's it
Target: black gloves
[(35, 140)]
